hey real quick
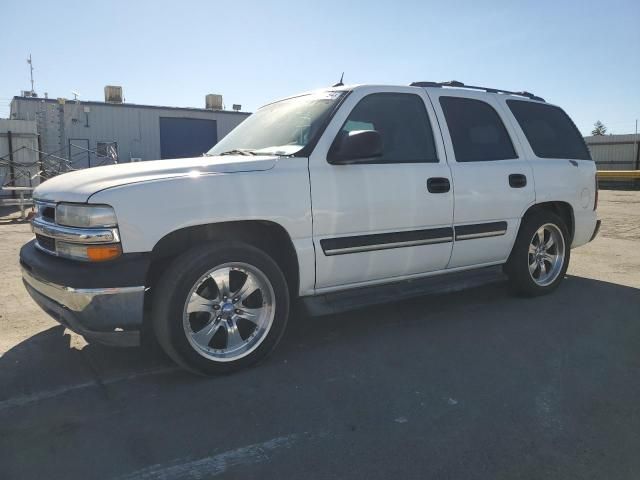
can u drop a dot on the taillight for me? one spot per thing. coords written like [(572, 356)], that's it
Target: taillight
[(595, 201)]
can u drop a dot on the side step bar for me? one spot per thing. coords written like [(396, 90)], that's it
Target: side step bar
[(361, 297)]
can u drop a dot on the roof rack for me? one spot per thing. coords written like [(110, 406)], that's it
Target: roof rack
[(454, 83)]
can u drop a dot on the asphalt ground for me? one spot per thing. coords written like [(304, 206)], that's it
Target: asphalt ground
[(474, 384)]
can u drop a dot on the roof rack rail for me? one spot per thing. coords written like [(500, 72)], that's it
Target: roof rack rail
[(454, 83)]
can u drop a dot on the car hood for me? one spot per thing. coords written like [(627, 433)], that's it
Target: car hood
[(78, 186)]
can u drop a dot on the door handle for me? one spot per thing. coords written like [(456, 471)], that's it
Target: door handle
[(438, 185), (517, 180)]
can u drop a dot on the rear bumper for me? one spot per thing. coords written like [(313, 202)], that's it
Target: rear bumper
[(101, 313), (595, 231), (585, 227)]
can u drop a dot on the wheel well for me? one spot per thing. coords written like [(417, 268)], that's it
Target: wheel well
[(562, 209), (270, 237)]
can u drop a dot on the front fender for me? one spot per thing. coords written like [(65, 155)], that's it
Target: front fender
[(148, 211)]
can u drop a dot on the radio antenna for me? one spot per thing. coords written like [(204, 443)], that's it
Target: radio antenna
[(31, 71)]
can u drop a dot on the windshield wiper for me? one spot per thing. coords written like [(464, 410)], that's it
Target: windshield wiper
[(237, 151)]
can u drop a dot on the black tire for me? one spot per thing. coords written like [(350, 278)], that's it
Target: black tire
[(521, 281), (175, 285)]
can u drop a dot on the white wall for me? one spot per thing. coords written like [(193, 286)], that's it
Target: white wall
[(614, 152)]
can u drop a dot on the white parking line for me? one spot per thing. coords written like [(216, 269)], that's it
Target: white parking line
[(38, 396), (213, 465), (23, 400)]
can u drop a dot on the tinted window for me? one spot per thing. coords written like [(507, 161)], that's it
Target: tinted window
[(402, 121), (476, 130), (549, 130)]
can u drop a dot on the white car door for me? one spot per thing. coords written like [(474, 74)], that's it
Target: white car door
[(388, 217), (493, 182)]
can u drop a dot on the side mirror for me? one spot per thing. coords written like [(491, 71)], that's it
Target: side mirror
[(352, 147)]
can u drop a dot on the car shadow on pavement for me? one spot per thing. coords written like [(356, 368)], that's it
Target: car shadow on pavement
[(451, 364), (49, 360)]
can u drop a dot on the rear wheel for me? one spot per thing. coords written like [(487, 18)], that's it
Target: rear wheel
[(540, 255), (220, 308)]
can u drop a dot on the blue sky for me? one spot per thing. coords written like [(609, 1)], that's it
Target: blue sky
[(584, 56)]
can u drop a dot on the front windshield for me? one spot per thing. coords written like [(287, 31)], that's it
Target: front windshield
[(280, 128)]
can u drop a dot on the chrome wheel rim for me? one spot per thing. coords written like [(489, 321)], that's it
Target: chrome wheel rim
[(229, 312), (546, 254)]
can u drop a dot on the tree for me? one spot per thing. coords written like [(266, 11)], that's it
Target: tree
[(599, 128)]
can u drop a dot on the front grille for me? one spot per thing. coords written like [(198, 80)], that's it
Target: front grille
[(47, 243)]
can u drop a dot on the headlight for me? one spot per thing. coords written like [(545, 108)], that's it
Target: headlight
[(85, 216)]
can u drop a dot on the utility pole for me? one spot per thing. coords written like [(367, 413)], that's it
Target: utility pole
[(31, 71), (637, 145)]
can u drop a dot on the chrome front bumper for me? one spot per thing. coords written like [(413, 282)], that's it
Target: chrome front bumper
[(111, 316)]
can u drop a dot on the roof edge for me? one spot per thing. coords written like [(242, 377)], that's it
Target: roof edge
[(132, 105)]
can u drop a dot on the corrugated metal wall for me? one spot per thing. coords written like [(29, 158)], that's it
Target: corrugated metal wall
[(614, 152), (24, 140), (135, 128)]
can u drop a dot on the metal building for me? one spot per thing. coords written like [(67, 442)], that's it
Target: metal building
[(615, 152), (18, 155), (91, 133)]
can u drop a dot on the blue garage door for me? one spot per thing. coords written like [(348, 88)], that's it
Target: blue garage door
[(186, 137)]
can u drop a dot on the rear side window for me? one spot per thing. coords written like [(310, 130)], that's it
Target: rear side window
[(549, 130), (402, 121), (476, 130)]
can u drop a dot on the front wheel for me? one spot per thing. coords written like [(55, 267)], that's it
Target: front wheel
[(540, 255), (220, 307)]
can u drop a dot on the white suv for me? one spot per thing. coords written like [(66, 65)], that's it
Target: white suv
[(341, 197)]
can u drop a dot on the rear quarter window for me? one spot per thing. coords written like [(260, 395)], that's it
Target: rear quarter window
[(476, 130), (549, 130)]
